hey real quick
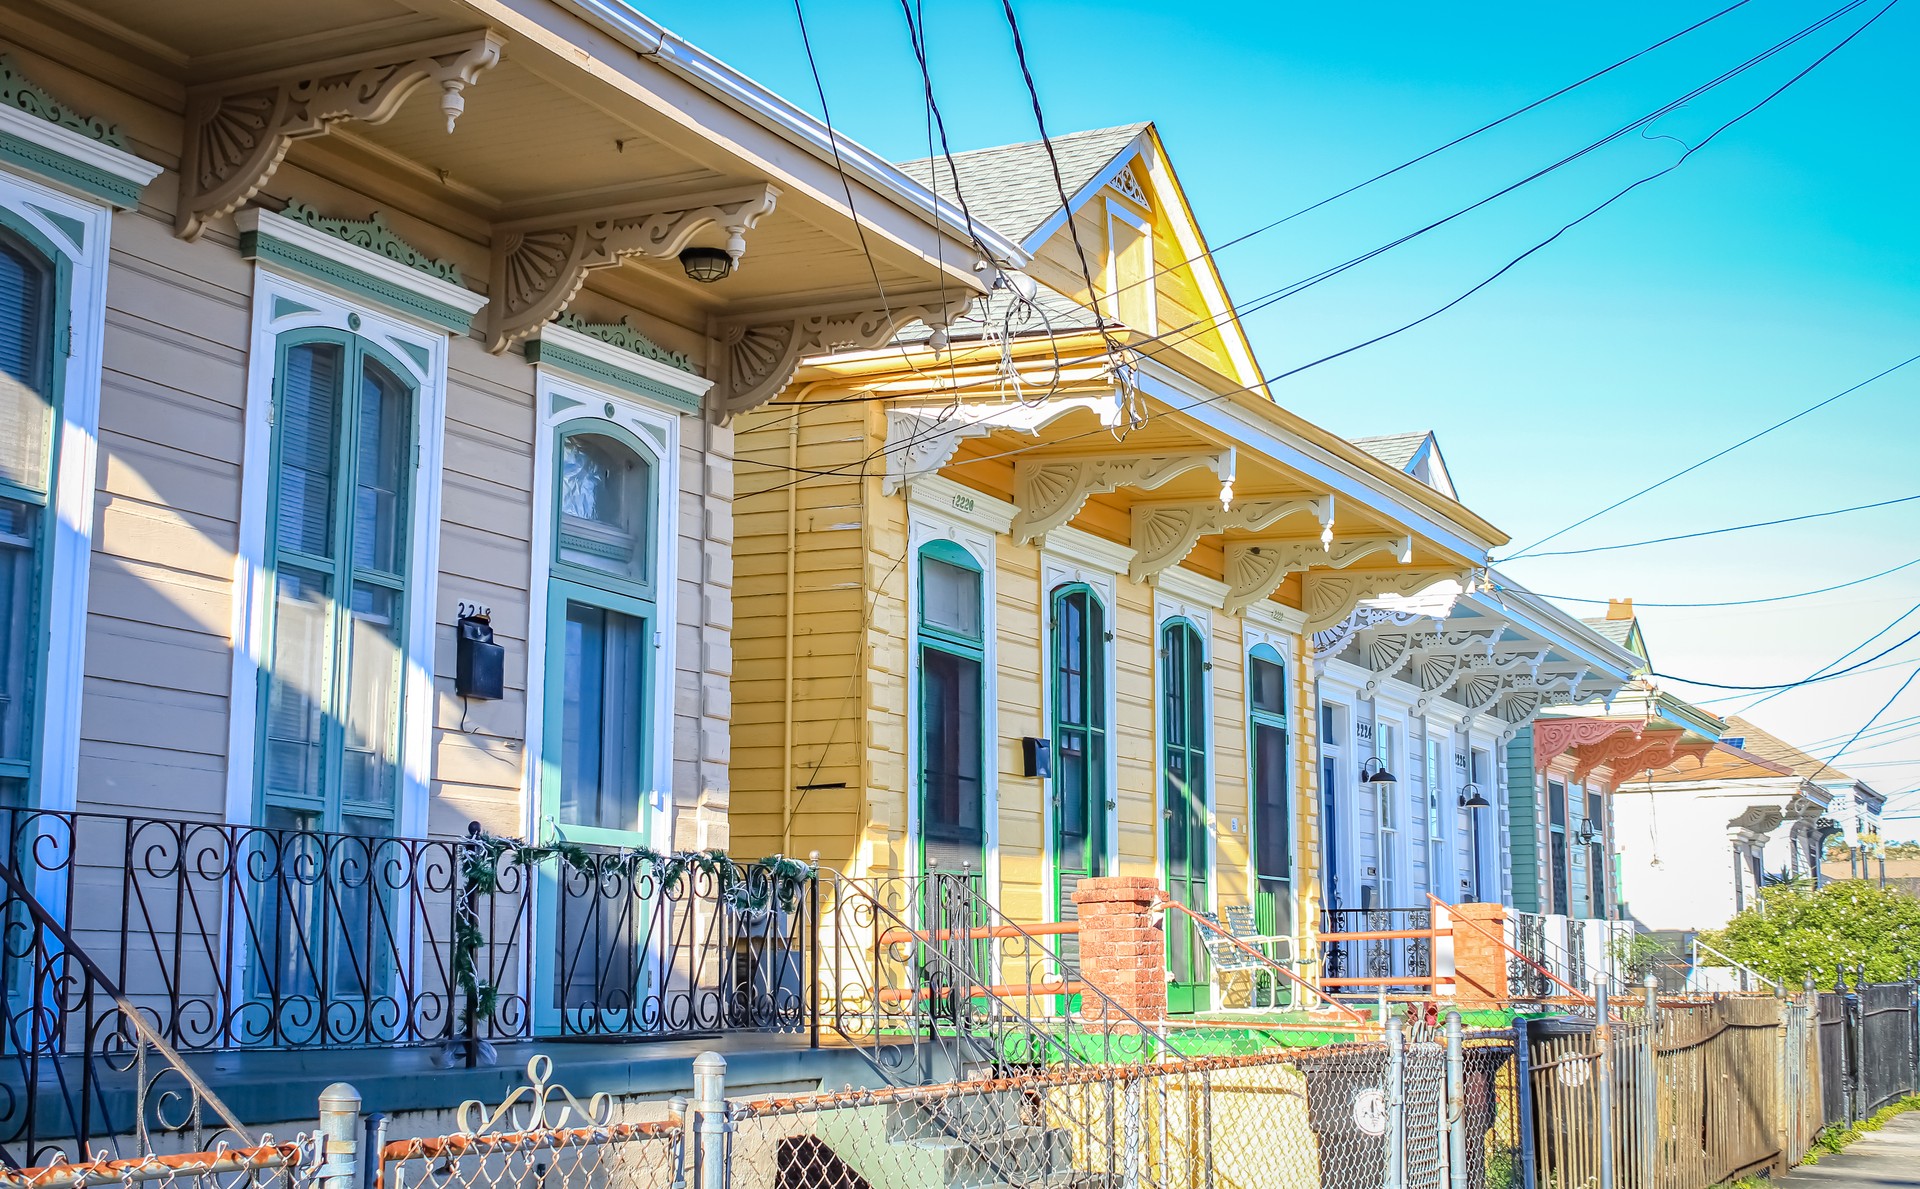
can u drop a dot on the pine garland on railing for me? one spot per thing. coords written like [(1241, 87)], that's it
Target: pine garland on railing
[(480, 861)]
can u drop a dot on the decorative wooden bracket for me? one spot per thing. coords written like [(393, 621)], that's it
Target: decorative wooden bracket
[(1329, 643), (539, 264), (1553, 738), (1256, 568), (1636, 752), (1164, 533), (1331, 595), (1475, 674), (764, 351), (921, 441), (1051, 491), (1434, 656), (238, 132)]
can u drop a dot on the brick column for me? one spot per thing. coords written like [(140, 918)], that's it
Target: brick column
[(1123, 951), (1479, 960)]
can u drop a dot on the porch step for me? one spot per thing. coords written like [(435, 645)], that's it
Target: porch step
[(969, 1142)]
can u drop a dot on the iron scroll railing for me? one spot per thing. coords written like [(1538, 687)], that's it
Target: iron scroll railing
[(230, 937), (1376, 960)]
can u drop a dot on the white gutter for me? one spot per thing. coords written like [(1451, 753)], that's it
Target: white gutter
[(1550, 622), (655, 42)]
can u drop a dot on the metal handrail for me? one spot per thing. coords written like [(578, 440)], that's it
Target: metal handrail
[(1240, 943), (1699, 945)]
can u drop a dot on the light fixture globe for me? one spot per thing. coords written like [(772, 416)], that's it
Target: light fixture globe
[(707, 265), (1374, 771), (1472, 798)]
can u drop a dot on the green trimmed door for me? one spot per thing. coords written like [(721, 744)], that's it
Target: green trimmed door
[(1184, 775), (1079, 794)]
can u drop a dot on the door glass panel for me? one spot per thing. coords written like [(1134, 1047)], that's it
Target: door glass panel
[(26, 337), (1274, 853), (299, 692), (370, 770), (379, 486), (604, 725), (951, 760), (19, 597), (950, 597), (307, 413), (604, 498)]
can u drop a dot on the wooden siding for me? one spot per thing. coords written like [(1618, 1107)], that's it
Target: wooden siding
[(1523, 812)]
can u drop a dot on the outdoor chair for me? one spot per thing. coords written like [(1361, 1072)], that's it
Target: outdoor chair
[(1264, 991)]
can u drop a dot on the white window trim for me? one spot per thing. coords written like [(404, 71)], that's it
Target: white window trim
[(1285, 644), (1402, 873), (1118, 212), (251, 590), (1344, 753), (958, 523), (1058, 567), (71, 501), (1167, 607), (559, 398)]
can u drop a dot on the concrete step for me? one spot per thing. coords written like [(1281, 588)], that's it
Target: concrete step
[(1020, 1155)]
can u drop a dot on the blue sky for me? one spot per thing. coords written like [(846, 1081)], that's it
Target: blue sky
[(1779, 265)]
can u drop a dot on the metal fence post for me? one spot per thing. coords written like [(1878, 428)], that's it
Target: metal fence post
[(1855, 1054), (1603, 1045), (1456, 1103), (1523, 1095), (339, 1136), (1396, 1108), (1649, 1124), (710, 1108)]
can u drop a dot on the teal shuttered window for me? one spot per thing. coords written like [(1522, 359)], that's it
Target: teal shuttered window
[(339, 538), (31, 281), (952, 739)]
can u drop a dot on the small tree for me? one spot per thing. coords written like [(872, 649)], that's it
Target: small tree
[(1797, 931)]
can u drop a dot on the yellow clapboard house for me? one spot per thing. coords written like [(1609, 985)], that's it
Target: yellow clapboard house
[(1032, 594)]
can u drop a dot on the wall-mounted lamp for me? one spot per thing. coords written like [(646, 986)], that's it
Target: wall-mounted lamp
[(707, 265), (1588, 833), (1471, 797), (1374, 771)]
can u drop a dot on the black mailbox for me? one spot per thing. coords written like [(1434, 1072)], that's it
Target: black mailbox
[(1038, 756), (480, 670)]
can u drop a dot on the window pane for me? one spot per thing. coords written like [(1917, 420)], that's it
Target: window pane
[(307, 412), (1269, 682), (950, 597), (370, 770), (951, 748), (604, 497), (297, 690), (379, 492), (604, 725), (1273, 855), (26, 340), (19, 597)]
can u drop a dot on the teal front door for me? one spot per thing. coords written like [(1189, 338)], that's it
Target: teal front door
[(1184, 774)]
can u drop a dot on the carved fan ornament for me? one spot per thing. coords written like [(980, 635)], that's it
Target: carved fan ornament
[(1051, 491), (540, 264), (921, 441), (1164, 534), (1255, 569), (1331, 596), (238, 132)]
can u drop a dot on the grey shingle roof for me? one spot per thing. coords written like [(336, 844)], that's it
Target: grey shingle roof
[(1772, 747), (1394, 449), (1619, 631), (1010, 188)]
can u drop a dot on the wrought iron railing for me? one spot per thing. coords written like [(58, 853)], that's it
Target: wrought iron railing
[(239, 937), (110, 1094), (1378, 958), (930, 980)]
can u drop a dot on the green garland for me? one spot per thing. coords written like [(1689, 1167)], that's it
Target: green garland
[(480, 864)]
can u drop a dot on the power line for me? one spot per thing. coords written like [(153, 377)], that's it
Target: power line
[(1729, 602), (859, 468), (1876, 714), (1714, 532), (1790, 684), (1815, 407), (1888, 627)]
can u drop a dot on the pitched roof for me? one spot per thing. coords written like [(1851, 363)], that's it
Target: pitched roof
[(1394, 449), (1617, 630), (1772, 747), (1011, 187)]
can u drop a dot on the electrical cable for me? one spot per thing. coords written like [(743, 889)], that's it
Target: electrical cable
[(1495, 584), (1815, 407), (1737, 528), (1790, 684), (1888, 627), (1831, 760)]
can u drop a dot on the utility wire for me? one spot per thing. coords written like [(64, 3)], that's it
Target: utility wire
[(1888, 627), (1792, 684), (1737, 528), (1833, 759), (1815, 407), (1498, 586)]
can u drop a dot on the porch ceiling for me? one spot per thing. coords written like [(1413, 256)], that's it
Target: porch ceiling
[(570, 119)]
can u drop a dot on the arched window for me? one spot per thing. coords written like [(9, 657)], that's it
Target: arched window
[(1184, 774), (1079, 638), (29, 299), (339, 537), (952, 713), (602, 634), (1272, 808)]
